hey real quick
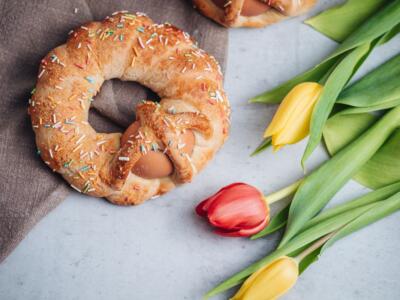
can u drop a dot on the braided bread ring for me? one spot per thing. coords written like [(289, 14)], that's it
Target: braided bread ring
[(232, 12), (130, 47)]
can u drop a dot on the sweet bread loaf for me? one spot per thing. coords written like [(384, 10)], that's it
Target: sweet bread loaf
[(169, 142), (251, 13)]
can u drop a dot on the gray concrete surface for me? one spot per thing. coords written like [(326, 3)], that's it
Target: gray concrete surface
[(89, 249)]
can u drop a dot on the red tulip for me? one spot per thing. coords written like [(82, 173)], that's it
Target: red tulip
[(238, 209)]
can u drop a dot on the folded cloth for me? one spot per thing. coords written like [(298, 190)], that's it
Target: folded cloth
[(30, 29)]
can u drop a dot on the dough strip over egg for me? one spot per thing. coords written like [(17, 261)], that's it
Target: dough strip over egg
[(169, 142)]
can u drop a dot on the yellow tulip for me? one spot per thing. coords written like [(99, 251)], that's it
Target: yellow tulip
[(271, 281), (291, 122)]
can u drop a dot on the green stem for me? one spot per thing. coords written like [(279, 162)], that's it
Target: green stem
[(283, 193), (314, 246)]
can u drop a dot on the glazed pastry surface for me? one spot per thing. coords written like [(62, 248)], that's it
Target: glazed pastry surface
[(251, 13), (170, 142)]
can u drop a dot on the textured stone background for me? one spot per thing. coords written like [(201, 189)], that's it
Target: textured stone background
[(89, 249)]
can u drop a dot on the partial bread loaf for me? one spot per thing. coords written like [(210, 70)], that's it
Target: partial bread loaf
[(132, 48), (251, 13)]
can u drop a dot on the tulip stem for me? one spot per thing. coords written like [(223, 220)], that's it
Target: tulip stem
[(314, 246), (283, 193)]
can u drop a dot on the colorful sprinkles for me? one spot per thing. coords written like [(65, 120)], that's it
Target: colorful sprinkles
[(80, 159)]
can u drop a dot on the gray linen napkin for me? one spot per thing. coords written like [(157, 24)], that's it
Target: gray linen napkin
[(28, 30)]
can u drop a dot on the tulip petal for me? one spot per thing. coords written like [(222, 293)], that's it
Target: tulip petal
[(291, 122), (274, 281), (237, 211), (283, 113), (248, 282), (254, 230), (298, 124), (243, 232), (271, 281), (293, 100), (202, 207)]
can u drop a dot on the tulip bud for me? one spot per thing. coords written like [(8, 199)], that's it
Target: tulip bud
[(237, 210), (271, 281), (291, 122)]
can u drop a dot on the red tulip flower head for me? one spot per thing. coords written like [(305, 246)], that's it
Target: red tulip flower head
[(236, 210)]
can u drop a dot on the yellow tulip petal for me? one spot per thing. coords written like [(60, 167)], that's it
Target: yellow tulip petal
[(291, 123), (275, 145), (298, 126), (288, 106), (249, 281), (271, 282)]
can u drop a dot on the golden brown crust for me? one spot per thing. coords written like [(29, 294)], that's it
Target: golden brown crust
[(230, 14), (130, 47)]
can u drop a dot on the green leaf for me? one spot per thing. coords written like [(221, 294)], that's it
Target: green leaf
[(277, 222), (390, 34), (277, 94), (309, 259), (372, 215), (361, 110), (341, 130), (375, 213), (372, 211), (371, 197), (376, 88), (333, 86), (325, 227), (384, 167), (346, 17), (379, 24), (297, 243), (315, 191), (266, 143), (280, 219)]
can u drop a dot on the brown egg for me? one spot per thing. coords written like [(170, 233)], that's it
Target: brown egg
[(250, 7), (156, 164), (153, 165), (253, 8)]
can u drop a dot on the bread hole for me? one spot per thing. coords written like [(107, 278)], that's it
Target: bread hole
[(113, 110), (102, 124)]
